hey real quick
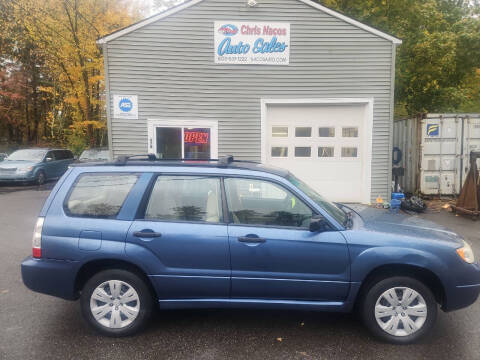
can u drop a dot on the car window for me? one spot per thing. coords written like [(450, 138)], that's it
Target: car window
[(27, 155), (185, 198), (100, 195), (260, 202), (59, 155), (67, 154), (51, 154)]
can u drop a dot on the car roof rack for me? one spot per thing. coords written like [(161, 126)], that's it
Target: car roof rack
[(222, 161)]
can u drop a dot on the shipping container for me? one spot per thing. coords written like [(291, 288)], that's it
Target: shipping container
[(435, 151)]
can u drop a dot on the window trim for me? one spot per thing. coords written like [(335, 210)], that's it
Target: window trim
[(142, 208), (294, 192), (67, 211)]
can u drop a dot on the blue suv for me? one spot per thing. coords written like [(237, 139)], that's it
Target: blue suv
[(125, 236)]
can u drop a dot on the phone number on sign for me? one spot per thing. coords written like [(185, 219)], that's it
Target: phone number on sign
[(252, 59)]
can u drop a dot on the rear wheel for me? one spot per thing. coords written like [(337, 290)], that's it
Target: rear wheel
[(399, 310), (116, 302)]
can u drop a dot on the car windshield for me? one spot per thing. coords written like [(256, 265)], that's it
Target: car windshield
[(332, 209), (27, 155), (93, 154)]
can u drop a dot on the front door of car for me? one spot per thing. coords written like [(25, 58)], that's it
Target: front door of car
[(274, 255), (50, 165), (182, 226)]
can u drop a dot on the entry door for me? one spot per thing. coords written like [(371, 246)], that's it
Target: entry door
[(273, 253), (180, 139), (183, 227)]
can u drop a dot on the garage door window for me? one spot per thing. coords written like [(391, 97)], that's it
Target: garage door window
[(301, 151), (350, 132), (279, 151), (326, 151), (303, 132), (349, 152), (326, 132), (279, 131)]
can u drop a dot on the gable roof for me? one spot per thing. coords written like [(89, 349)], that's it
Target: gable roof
[(187, 4)]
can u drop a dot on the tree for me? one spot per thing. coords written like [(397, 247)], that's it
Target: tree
[(437, 64), (54, 43)]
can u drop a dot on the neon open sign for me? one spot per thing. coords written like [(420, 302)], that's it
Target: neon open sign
[(196, 137)]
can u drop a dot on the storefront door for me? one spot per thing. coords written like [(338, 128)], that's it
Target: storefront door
[(180, 139)]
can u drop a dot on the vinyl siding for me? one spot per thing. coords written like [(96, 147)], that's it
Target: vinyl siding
[(169, 64)]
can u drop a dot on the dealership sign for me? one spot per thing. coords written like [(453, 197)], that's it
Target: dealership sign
[(252, 43), (125, 107)]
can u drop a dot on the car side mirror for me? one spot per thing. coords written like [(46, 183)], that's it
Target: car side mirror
[(319, 224), (48, 159)]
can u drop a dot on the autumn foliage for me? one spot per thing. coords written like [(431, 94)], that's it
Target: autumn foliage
[(51, 69)]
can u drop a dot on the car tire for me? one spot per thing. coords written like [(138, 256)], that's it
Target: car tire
[(121, 301), (399, 310), (41, 178)]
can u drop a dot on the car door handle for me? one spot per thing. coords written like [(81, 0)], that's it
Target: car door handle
[(147, 234), (251, 240)]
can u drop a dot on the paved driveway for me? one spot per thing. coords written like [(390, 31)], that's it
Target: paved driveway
[(42, 327)]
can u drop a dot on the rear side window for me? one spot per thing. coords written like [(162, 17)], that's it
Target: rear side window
[(99, 195), (185, 198)]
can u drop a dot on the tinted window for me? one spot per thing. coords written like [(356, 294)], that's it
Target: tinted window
[(67, 154), (59, 154), (259, 202), (100, 195), (185, 198)]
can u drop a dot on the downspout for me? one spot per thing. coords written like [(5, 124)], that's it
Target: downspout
[(392, 109), (107, 100)]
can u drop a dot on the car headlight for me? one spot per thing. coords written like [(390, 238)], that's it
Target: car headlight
[(25, 169), (466, 253)]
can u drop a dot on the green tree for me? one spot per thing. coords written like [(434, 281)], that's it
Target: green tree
[(438, 60)]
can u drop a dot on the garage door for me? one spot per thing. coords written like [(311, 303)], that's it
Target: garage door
[(327, 146)]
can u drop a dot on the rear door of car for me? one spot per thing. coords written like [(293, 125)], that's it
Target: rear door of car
[(181, 224)]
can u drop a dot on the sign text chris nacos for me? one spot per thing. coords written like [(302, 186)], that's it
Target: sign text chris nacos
[(252, 43)]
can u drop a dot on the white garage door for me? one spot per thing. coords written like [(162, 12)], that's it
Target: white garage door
[(327, 146)]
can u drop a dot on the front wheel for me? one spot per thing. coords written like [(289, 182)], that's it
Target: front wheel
[(116, 302), (41, 178), (399, 310)]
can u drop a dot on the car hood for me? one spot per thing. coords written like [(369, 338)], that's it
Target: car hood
[(380, 220), (7, 164)]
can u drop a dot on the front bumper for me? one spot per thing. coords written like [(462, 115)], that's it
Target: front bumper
[(51, 277), (465, 293)]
